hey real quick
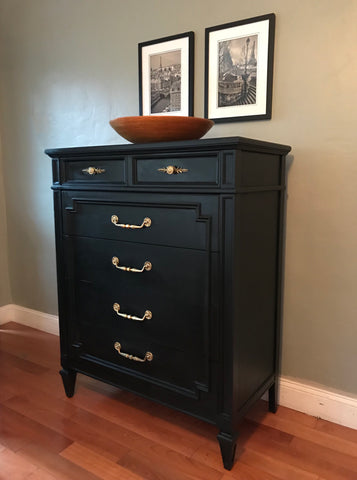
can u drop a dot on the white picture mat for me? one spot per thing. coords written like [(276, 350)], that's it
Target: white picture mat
[(181, 44), (258, 28)]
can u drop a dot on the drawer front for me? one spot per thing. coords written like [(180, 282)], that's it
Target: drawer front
[(176, 292), (93, 170), (182, 169), (170, 368), (122, 217)]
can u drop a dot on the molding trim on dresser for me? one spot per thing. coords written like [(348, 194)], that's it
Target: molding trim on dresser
[(336, 407)]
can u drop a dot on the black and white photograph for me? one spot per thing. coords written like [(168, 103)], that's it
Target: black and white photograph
[(166, 76), (165, 82), (239, 69)]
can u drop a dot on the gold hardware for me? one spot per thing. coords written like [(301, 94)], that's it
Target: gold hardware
[(146, 223), (147, 314), (93, 170), (172, 170), (147, 266), (148, 355)]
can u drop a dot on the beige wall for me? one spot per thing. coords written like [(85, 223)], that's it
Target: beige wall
[(69, 66), (5, 296)]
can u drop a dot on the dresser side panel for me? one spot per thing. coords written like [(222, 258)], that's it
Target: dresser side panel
[(255, 305)]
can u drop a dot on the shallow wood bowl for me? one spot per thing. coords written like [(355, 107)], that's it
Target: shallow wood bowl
[(160, 128)]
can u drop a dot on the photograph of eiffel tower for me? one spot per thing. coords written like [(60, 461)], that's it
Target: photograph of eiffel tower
[(237, 71), (165, 82)]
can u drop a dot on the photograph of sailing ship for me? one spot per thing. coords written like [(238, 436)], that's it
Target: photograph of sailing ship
[(165, 82), (237, 71)]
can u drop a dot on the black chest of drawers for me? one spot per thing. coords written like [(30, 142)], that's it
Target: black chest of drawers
[(169, 263)]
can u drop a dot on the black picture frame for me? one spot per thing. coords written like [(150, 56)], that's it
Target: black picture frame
[(166, 75), (239, 60)]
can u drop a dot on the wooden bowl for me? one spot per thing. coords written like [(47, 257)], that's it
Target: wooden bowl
[(160, 128)]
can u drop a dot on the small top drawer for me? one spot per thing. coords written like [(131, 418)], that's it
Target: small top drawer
[(181, 169), (93, 170)]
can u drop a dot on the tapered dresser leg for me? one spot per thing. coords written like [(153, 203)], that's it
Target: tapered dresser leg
[(228, 444), (272, 398), (69, 381)]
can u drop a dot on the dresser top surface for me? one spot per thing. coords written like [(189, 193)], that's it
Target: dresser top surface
[(192, 145)]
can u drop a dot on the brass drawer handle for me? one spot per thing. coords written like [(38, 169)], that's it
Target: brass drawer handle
[(93, 170), (146, 223), (172, 170), (148, 355), (147, 266), (147, 314)]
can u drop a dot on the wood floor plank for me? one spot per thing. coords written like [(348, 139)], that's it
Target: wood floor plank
[(6, 392), (304, 455), (21, 382), (139, 421), (164, 463), (158, 452), (56, 414), (273, 465), (40, 474), (49, 412), (311, 434), (106, 433), (260, 410), (55, 464), (103, 445), (22, 363), (23, 342), (264, 464), (153, 468), (96, 464), (14, 467), (169, 415), (17, 431), (328, 463), (248, 472), (250, 430), (209, 452), (336, 430)]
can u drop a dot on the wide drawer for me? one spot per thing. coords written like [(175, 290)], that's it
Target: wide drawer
[(176, 291), (180, 169), (170, 368), (142, 218), (93, 170)]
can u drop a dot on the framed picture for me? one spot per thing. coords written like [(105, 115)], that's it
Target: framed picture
[(166, 75), (239, 70)]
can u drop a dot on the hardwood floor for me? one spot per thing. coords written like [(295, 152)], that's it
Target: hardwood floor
[(105, 433)]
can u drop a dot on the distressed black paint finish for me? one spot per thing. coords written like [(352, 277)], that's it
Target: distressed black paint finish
[(215, 244)]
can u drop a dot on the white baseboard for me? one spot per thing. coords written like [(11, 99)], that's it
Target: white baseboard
[(318, 401), (6, 314), (31, 318), (336, 407)]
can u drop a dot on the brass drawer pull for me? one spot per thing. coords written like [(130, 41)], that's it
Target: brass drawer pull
[(147, 314), (147, 266), (148, 355), (115, 220), (93, 170), (172, 170)]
